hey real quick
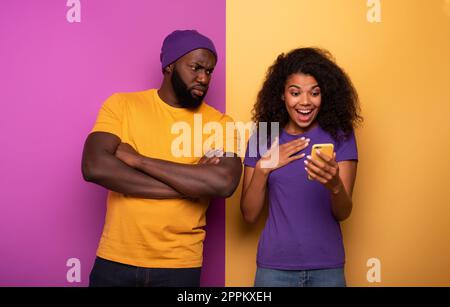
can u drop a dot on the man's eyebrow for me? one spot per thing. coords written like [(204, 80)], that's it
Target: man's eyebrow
[(203, 66)]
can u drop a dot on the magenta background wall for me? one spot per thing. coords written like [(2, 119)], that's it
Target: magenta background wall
[(54, 76)]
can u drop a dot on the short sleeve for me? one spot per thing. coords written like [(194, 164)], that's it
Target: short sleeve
[(347, 149), (110, 116)]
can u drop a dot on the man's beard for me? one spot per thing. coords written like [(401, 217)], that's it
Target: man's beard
[(184, 96)]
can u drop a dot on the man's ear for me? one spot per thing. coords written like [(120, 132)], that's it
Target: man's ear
[(169, 68)]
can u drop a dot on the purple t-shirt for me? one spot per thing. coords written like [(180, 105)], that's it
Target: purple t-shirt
[(301, 232)]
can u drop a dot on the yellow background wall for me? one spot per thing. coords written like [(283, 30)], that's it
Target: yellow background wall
[(401, 69)]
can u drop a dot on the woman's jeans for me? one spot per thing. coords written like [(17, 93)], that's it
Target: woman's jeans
[(307, 278)]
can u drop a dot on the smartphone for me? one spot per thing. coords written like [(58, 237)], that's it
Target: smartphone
[(326, 149)]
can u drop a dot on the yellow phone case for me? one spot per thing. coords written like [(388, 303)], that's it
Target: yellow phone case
[(326, 149)]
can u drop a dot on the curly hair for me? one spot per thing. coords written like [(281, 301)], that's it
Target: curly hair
[(339, 109)]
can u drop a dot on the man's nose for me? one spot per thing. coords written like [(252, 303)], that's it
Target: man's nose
[(203, 77)]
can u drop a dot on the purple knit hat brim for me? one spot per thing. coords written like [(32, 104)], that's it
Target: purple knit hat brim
[(181, 42)]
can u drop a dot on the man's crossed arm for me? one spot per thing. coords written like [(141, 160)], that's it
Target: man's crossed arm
[(116, 166)]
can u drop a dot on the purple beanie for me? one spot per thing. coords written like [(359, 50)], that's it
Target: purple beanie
[(181, 42)]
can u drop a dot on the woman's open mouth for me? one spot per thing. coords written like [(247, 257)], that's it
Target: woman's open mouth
[(304, 115)]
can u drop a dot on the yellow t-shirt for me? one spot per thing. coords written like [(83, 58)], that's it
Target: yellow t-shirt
[(158, 233)]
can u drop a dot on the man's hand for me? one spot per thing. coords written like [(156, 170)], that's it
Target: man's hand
[(211, 157), (127, 154)]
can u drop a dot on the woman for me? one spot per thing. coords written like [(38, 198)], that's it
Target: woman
[(314, 102)]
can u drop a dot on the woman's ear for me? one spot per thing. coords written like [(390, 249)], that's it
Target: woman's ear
[(282, 97)]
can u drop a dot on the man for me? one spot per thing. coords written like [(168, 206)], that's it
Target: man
[(154, 226)]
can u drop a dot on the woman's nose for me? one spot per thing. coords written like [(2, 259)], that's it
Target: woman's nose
[(304, 100)]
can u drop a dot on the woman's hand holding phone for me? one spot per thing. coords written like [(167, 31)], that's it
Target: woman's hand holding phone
[(323, 167)]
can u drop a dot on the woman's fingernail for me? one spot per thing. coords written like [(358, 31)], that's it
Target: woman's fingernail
[(309, 157), (302, 138), (306, 162)]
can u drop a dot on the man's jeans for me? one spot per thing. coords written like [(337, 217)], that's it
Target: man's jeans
[(107, 273), (308, 278)]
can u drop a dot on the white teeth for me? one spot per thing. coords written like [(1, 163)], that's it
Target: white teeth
[(304, 111)]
